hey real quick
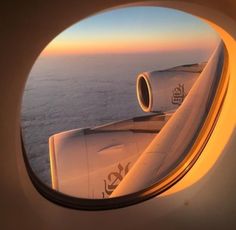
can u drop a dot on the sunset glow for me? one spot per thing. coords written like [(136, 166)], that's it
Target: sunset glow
[(134, 30)]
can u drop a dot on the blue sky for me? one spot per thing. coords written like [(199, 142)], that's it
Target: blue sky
[(135, 29)]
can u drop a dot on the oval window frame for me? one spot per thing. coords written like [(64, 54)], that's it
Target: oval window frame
[(217, 100)]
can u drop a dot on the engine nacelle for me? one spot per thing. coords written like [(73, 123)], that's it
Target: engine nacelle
[(165, 90)]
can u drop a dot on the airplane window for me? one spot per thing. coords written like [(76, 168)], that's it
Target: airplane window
[(115, 104)]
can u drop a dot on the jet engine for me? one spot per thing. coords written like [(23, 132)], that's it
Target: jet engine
[(165, 90)]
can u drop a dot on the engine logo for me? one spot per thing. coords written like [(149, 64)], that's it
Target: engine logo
[(178, 95), (114, 178)]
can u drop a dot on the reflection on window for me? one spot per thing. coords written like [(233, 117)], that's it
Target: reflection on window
[(114, 103)]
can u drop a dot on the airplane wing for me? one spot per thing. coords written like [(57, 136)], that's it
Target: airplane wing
[(173, 141), (95, 163)]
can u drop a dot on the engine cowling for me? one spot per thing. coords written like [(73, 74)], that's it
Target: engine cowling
[(165, 90)]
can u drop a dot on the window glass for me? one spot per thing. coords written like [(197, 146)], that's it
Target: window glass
[(108, 91)]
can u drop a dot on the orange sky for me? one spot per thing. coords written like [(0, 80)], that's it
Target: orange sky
[(134, 30)]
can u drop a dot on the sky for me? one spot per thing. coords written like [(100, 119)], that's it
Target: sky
[(134, 30)]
